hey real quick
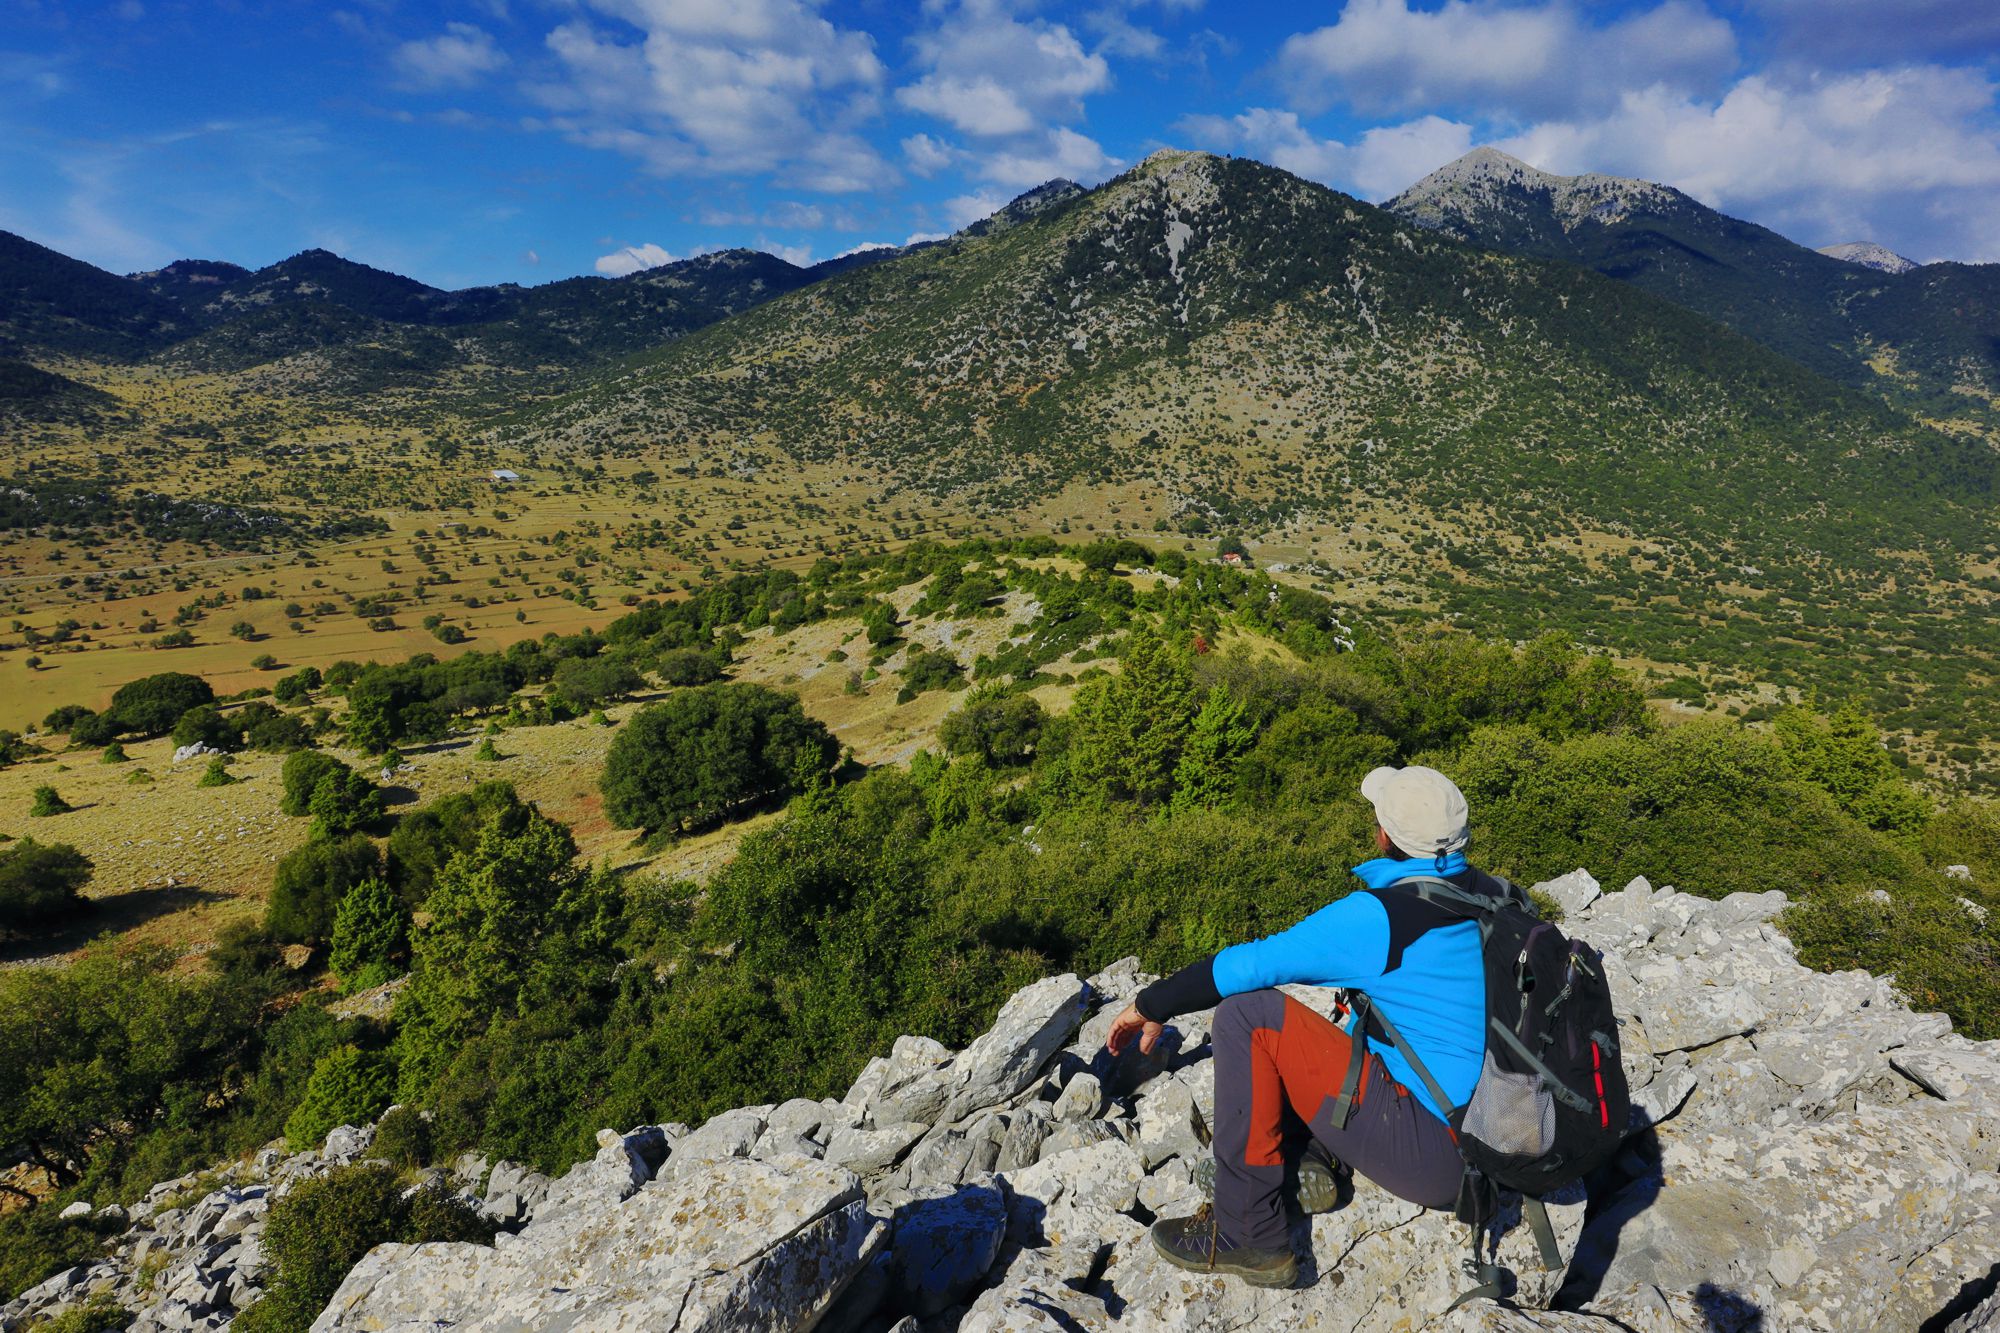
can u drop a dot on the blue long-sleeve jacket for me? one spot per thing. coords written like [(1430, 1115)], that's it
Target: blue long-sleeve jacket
[(1420, 966)]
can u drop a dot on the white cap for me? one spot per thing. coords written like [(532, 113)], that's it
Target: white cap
[(1421, 809)]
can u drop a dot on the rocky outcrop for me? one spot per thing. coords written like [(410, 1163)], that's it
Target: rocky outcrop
[(1806, 1152)]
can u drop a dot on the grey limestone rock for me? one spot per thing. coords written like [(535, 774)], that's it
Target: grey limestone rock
[(944, 1244), (1573, 892), (737, 1244)]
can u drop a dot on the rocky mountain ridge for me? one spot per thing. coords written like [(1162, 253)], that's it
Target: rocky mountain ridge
[(1869, 255), (1856, 313), (1805, 1152)]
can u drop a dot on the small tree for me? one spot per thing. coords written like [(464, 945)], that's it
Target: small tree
[(310, 882), (370, 931), (999, 727), (206, 725), (300, 776), (114, 753), (324, 1226), (349, 1086), (704, 751), (151, 705), (217, 773), (46, 802), (39, 883), (343, 802)]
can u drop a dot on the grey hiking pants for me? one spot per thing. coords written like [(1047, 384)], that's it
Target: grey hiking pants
[(1274, 1055)]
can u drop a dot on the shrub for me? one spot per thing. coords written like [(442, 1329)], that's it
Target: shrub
[(217, 773), (424, 840), (998, 726), (206, 725), (584, 682), (46, 802), (139, 777), (349, 1086), (40, 883), (369, 936), (325, 1225), (688, 666), (300, 776), (931, 671), (36, 1244), (114, 753), (708, 750), (487, 751), (403, 1139), (65, 717), (153, 704), (272, 731), (297, 687), (343, 802), (264, 662), (98, 729), (310, 882)]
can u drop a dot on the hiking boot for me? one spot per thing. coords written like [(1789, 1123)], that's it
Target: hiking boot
[(1195, 1243), (1315, 1180)]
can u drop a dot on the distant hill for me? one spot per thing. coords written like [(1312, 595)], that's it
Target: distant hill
[(363, 328), (50, 303), (1928, 336)]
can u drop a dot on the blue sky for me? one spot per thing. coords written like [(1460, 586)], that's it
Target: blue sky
[(528, 140)]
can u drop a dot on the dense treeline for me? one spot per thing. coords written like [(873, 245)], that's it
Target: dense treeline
[(1190, 798)]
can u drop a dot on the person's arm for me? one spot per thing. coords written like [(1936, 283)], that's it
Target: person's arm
[(1191, 988), (1345, 942)]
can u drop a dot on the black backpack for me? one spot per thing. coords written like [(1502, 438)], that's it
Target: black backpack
[(1551, 1103)]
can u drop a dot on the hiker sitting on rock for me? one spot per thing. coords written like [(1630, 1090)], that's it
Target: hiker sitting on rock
[(1419, 965)]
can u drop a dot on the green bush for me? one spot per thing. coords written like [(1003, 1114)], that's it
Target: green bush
[(35, 1245), (206, 725), (301, 775), (403, 1139), (40, 883), (152, 705), (425, 839), (585, 682), (1000, 726), (325, 1225), (349, 1086), (46, 802), (370, 936), (114, 753), (99, 730), (702, 753), (344, 802), (217, 773), (688, 666), (311, 881)]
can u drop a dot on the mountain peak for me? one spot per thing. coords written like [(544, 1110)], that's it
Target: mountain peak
[(1869, 255), (1487, 182)]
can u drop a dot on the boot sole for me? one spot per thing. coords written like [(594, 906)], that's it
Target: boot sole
[(1318, 1188)]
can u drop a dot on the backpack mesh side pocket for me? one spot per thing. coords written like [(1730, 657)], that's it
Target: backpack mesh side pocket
[(1511, 1113)]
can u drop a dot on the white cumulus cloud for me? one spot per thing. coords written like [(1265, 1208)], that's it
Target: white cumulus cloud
[(631, 259), (1382, 56), (1380, 161), (761, 87), (458, 57), (990, 74), (1909, 157)]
